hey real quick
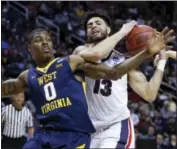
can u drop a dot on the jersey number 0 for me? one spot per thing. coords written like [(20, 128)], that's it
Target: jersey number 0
[(106, 91), (50, 92)]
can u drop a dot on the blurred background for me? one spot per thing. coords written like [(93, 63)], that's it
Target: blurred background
[(155, 123)]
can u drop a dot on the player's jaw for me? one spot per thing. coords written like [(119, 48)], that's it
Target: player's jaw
[(41, 47), (42, 51), (96, 35)]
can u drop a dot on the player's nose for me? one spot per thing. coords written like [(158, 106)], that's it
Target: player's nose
[(94, 26), (44, 42)]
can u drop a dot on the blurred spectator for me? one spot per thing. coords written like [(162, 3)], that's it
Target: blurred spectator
[(165, 111), (160, 141), (172, 143), (150, 134), (135, 118)]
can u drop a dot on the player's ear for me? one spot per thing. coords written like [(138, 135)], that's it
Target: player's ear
[(108, 30), (29, 48)]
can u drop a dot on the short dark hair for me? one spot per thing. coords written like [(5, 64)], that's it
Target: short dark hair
[(30, 36), (102, 15)]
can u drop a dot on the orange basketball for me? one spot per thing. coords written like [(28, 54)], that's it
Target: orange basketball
[(137, 39)]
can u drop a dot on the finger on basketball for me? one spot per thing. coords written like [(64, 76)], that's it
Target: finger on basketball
[(165, 30), (170, 39), (168, 47), (169, 33)]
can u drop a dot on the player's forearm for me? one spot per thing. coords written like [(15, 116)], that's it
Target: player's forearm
[(102, 71), (153, 86), (106, 46), (10, 87), (103, 48), (130, 64), (171, 54), (96, 71)]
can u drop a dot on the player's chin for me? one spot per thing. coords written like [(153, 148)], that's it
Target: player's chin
[(97, 38), (47, 53)]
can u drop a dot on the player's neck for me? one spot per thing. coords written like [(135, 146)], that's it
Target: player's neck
[(44, 63), (92, 44)]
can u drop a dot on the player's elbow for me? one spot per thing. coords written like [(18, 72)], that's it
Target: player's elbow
[(113, 75), (91, 57), (150, 98), (96, 56)]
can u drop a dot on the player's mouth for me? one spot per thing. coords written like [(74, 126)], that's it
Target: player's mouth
[(46, 49), (95, 32)]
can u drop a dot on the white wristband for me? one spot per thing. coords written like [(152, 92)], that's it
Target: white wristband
[(161, 64)]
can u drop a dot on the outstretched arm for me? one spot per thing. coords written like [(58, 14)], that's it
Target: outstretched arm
[(171, 54), (102, 49), (14, 86), (155, 44), (102, 71), (148, 90)]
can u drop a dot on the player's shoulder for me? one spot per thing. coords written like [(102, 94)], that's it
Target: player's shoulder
[(76, 59), (24, 75), (79, 49), (25, 72)]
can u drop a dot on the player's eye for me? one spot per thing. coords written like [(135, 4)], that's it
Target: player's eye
[(98, 23), (38, 39), (89, 25), (49, 39)]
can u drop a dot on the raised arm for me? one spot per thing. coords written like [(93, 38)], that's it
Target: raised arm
[(14, 86), (92, 70), (171, 54), (148, 90), (100, 71), (102, 49), (155, 44)]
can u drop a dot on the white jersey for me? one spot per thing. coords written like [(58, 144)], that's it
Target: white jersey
[(107, 99)]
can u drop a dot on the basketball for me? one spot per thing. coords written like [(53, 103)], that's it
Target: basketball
[(137, 39)]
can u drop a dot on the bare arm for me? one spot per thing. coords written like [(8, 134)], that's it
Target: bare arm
[(102, 49), (92, 70), (102, 71), (97, 71), (15, 86), (75, 61), (31, 132), (139, 83), (171, 54), (30, 124), (147, 90), (154, 45)]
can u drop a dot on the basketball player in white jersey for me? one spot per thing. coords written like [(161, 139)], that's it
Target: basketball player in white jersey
[(107, 99)]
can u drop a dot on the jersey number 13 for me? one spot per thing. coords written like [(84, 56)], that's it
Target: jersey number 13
[(106, 90)]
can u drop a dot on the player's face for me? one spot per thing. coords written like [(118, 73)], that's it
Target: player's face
[(41, 46), (97, 29)]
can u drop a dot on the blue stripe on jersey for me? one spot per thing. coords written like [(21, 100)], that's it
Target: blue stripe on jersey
[(123, 135)]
